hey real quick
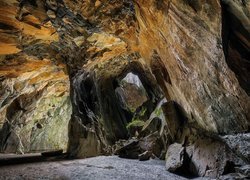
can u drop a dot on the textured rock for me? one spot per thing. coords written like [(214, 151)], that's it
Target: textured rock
[(130, 150), (204, 153), (239, 143), (95, 104), (196, 53), (185, 38), (34, 88), (145, 156), (244, 170), (212, 158), (174, 157), (34, 105), (175, 118), (151, 146), (22, 25)]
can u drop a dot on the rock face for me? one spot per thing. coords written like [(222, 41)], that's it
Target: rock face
[(193, 53), (200, 153), (185, 37), (35, 106)]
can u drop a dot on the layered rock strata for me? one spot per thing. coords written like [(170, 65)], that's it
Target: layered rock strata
[(195, 53)]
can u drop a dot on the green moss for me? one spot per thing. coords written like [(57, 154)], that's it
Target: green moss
[(158, 112), (135, 123), (143, 111)]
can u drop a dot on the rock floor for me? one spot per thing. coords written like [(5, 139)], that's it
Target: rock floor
[(97, 168)]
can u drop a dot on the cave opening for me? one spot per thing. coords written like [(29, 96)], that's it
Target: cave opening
[(122, 101), (136, 98), (133, 99)]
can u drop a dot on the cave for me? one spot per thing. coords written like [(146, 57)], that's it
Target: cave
[(235, 36), (102, 89)]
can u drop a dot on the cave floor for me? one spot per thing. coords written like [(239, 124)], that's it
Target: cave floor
[(97, 168)]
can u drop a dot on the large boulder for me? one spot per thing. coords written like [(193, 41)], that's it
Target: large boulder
[(174, 157)]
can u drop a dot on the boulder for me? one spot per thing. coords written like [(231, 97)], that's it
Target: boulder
[(143, 148), (174, 157), (211, 156), (145, 156), (175, 118), (151, 126), (153, 143), (129, 149)]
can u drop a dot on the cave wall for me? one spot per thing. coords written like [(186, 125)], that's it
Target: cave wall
[(187, 36), (35, 107)]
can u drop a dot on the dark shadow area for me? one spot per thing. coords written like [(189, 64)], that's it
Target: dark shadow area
[(30, 158), (236, 46), (99, 102)]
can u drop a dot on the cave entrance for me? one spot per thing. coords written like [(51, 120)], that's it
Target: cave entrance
[(107, 100), (137, 97), (133, 99), (131, 93)]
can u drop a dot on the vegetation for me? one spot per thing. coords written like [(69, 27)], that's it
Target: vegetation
[(135, 123)]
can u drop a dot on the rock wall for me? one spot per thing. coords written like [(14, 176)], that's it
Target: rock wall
[(34, 86), (187, 36)]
